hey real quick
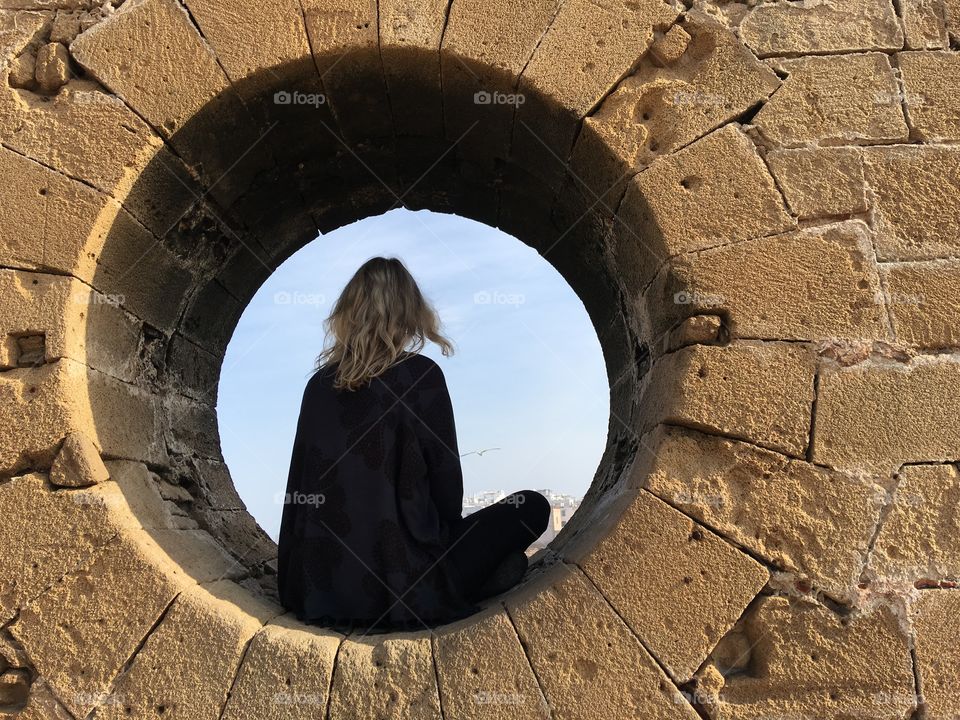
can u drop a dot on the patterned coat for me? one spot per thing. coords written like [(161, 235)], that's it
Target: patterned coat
[(374, 491)]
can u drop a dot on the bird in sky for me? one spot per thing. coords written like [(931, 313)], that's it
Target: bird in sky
[(479, 452)]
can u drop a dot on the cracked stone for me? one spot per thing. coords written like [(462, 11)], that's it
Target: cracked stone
[(925, 24), (806, 661), (14, 688), (678, 586), (936, 625), (811, 521), (696, 330), (924, 302), (670, 47), (78, 464), (835, 100)]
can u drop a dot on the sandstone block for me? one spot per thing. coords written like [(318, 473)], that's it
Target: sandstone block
[(596, 668), (880, 414), (73, 321), (285, 674), (820, 182), (924, 22), (657, 109), (38, 406), (485, 48), (931, 82), (78, 463), (920, 535), (668, 47), (393, 673), (716, 191), (759, 392), (924, 301), (42, 704), (37, 548), (817, 283), (52, 66), (813, 522), (952, 16), (189, 660), (937, 637), (784, 28), (588, 48), (483, 672), (677, 585), (835, 100), (695, 330), (805, 661), (81, 631), (917, 199)]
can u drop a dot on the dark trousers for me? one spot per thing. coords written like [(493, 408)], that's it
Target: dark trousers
[(482, 540)]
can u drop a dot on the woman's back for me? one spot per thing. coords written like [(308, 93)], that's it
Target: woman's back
[(374, 488)]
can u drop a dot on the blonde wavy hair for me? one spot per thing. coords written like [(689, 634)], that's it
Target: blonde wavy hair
[(380, 315)]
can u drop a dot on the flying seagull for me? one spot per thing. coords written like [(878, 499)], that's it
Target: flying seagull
[(479, 452)]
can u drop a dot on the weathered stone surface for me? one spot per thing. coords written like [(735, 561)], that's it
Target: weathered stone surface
[(588, 48), (759, 392), (597, 668), (835, 100), (924, 22), (73, 320), (952, 16), (805, 661), (660, 108), (486, 46), (785, 28), (917, 201), (37, 549), (53, 66), (931, 82), (393, 673), (669, 46), (920, 535), (811, 284), (713, 192), (78, 463), (483, 672), (924, 301), (42, 704), (880, 414), (82, 630), (695, 330), (820, 182), (189, 660), (38, 406), (936, 627), (813, 522), (677, 585), (285, 673)]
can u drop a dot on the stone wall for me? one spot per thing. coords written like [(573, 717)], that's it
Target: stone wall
[(759, 205)]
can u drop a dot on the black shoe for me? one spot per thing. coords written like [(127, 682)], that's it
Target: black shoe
[(508, 573)]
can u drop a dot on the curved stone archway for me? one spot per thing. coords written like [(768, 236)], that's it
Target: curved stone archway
[(758, 207)]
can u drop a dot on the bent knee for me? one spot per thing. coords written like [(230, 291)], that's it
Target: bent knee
[(535, 506)]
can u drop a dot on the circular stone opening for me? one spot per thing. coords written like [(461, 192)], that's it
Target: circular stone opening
[(209, 227), (527, 379)]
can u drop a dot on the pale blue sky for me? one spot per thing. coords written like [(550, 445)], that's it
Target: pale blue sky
[(527, 376)]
